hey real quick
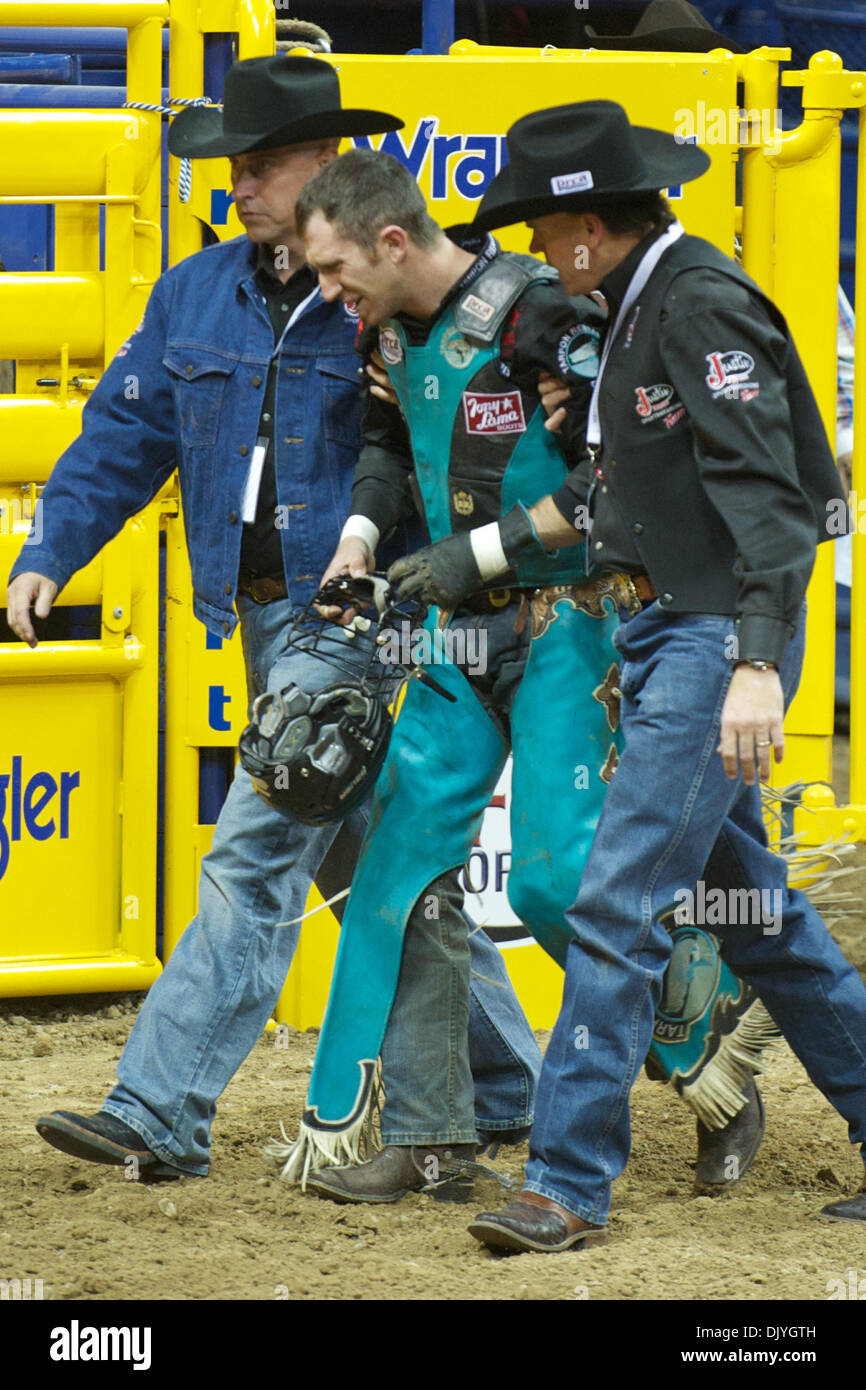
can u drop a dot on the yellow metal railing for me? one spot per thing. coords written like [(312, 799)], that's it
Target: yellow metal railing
[(90, 924), (807, 176)]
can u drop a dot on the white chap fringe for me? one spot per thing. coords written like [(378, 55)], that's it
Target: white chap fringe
[(818, 870), (716, 1094), (318, 1148)]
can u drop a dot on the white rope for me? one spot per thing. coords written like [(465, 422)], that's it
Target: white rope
[(184, 183), (313, 910)]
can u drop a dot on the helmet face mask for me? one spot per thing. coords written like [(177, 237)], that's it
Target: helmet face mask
[(316, 755)]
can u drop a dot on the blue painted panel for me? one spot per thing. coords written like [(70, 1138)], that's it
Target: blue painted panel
[(39, 67), (28, 39), (24, 236), (14, 94)]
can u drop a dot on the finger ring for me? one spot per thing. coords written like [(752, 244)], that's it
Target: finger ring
[(763, 742)]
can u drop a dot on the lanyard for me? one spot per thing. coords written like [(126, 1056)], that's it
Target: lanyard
[(250, 498), (649, 261), (293, 318)]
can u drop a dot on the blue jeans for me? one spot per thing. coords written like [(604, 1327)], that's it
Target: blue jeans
[(210, 1004), (669, 809)]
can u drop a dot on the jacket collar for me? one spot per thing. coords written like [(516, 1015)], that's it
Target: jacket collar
[(616, 282), (480, 244)]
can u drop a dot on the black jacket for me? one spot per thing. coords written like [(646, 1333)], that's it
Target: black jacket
[(714, 455)]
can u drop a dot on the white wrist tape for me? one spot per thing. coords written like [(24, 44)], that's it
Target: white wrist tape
[(487, 549), (365, 530)]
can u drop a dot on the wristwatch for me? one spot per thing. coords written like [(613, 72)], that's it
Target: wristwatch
[(757, 665)]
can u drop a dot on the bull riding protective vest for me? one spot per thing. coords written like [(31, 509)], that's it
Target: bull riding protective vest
[(478, 442)]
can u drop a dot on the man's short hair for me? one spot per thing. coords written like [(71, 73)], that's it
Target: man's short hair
[(627, 213), (362, 192)]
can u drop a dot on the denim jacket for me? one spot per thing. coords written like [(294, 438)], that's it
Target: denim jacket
[(186, 391)]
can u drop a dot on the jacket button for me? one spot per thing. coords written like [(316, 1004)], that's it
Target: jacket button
[(666, 598), (227, 588), (233, 516), (188, 369), (637, 528), (257, 381), (243, 450), (226, 629)]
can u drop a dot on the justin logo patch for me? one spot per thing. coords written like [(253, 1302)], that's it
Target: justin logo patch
[(493, 414), (658, 402), (729, 375), (390, 346)]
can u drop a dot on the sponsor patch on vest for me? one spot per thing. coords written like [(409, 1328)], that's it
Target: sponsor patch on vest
[(479, 307), (729, 375), (493, 414), (571, 183), (457, 350), (464, 503), (577, 352), (390, 346), (658, 402)]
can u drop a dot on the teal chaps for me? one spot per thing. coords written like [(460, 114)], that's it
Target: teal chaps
[(442, 766)]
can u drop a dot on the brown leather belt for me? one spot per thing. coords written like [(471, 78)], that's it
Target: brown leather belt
[(643, 586), (493, 600), (636, 586), (264, 589), (261, 588)]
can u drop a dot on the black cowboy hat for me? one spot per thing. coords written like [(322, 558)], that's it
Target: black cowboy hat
[(565, 157), (667, 26), (269, 102)]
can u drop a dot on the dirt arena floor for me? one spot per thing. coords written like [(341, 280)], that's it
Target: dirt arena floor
[(88, 1233)]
